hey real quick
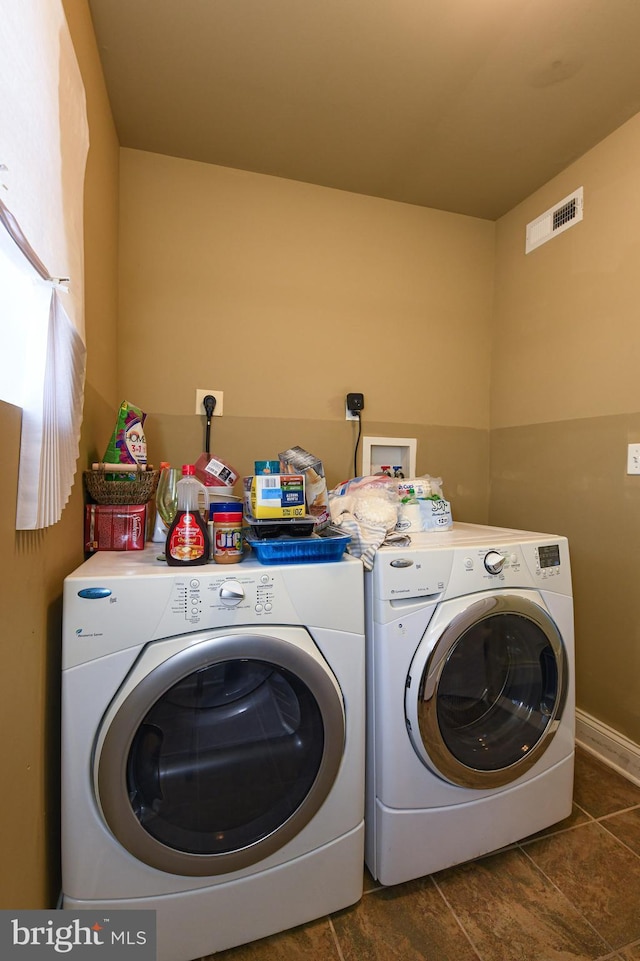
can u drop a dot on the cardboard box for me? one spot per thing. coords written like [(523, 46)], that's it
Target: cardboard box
[(114, 527), (274, 495), (300, 461)]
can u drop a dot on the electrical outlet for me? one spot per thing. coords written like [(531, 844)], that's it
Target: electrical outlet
[(200, 396), (354, 403), (633, 459)]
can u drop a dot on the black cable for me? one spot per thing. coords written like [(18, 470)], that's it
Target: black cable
[(209, 404), (355, 453)]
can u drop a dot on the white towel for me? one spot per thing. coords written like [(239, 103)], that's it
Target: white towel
[(367, 535)]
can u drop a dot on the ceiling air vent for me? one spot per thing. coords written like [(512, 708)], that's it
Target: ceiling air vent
[(558, 218)]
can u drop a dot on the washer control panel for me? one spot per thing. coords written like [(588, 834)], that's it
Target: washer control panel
[(208, 600), (112, 603)]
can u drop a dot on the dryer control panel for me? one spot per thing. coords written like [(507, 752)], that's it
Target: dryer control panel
[(541, 566), (453, 566)]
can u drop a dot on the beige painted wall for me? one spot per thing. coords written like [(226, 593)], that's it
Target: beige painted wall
[(565, 402), (286, 296), (34, 564)]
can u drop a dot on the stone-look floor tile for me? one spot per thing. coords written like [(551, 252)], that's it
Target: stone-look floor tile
[(626, 827), (631, 953), (576, 817), (406, 922), (598, 875), (309, 942), (600, 790), (510, 910)]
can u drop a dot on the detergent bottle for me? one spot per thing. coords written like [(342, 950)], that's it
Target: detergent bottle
[(188, 537)]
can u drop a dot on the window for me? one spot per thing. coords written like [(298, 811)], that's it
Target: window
[(42, 162), (24, 312)]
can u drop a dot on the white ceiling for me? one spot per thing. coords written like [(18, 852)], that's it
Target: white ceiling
[(461, 105)]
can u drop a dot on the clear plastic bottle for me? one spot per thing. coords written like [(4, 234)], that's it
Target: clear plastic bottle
[(188, 537)]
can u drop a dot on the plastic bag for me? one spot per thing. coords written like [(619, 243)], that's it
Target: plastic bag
[(423, 505)]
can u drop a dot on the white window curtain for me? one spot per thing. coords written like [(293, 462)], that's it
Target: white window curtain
[(44, 141)]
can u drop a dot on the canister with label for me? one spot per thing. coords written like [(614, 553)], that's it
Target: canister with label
[(227, 532)]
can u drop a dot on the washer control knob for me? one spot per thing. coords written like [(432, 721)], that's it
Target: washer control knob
[(494, 562), (231, 593)]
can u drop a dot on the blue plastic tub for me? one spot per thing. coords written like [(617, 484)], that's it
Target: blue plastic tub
[(327, 545)]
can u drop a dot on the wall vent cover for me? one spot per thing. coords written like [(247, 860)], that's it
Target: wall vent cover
[(560, 217)]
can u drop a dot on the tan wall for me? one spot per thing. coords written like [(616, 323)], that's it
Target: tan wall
[(286, 296), (35, 564), (566, 402)]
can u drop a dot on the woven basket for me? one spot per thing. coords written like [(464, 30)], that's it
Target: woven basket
[(103, 490)]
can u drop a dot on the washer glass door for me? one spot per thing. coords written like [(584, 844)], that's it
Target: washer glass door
[(490, 694), (222, 754)]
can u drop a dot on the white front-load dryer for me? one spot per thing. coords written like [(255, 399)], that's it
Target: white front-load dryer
[(470, 717), (213, 745)]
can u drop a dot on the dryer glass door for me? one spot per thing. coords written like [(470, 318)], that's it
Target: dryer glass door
[(227, 760), (491, 693)]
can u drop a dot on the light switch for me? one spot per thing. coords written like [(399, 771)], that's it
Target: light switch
[(633, 459)]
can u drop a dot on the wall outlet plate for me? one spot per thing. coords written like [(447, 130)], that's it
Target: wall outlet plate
[(200, 396)]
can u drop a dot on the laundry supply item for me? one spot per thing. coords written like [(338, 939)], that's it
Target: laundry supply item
[(128, 444), (274, 495), (188, 538), (296, 460)]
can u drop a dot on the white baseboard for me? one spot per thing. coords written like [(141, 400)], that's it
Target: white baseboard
[(612, 748)]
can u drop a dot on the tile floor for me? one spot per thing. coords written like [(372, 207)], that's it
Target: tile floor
[(570, 893)]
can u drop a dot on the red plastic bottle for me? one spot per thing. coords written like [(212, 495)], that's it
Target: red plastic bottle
[(188, 537)]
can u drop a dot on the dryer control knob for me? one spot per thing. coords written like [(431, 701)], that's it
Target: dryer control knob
[(231, 593), (494, 562)]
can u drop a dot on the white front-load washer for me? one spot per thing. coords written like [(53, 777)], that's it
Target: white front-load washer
[(213, 745), (470, 681)]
